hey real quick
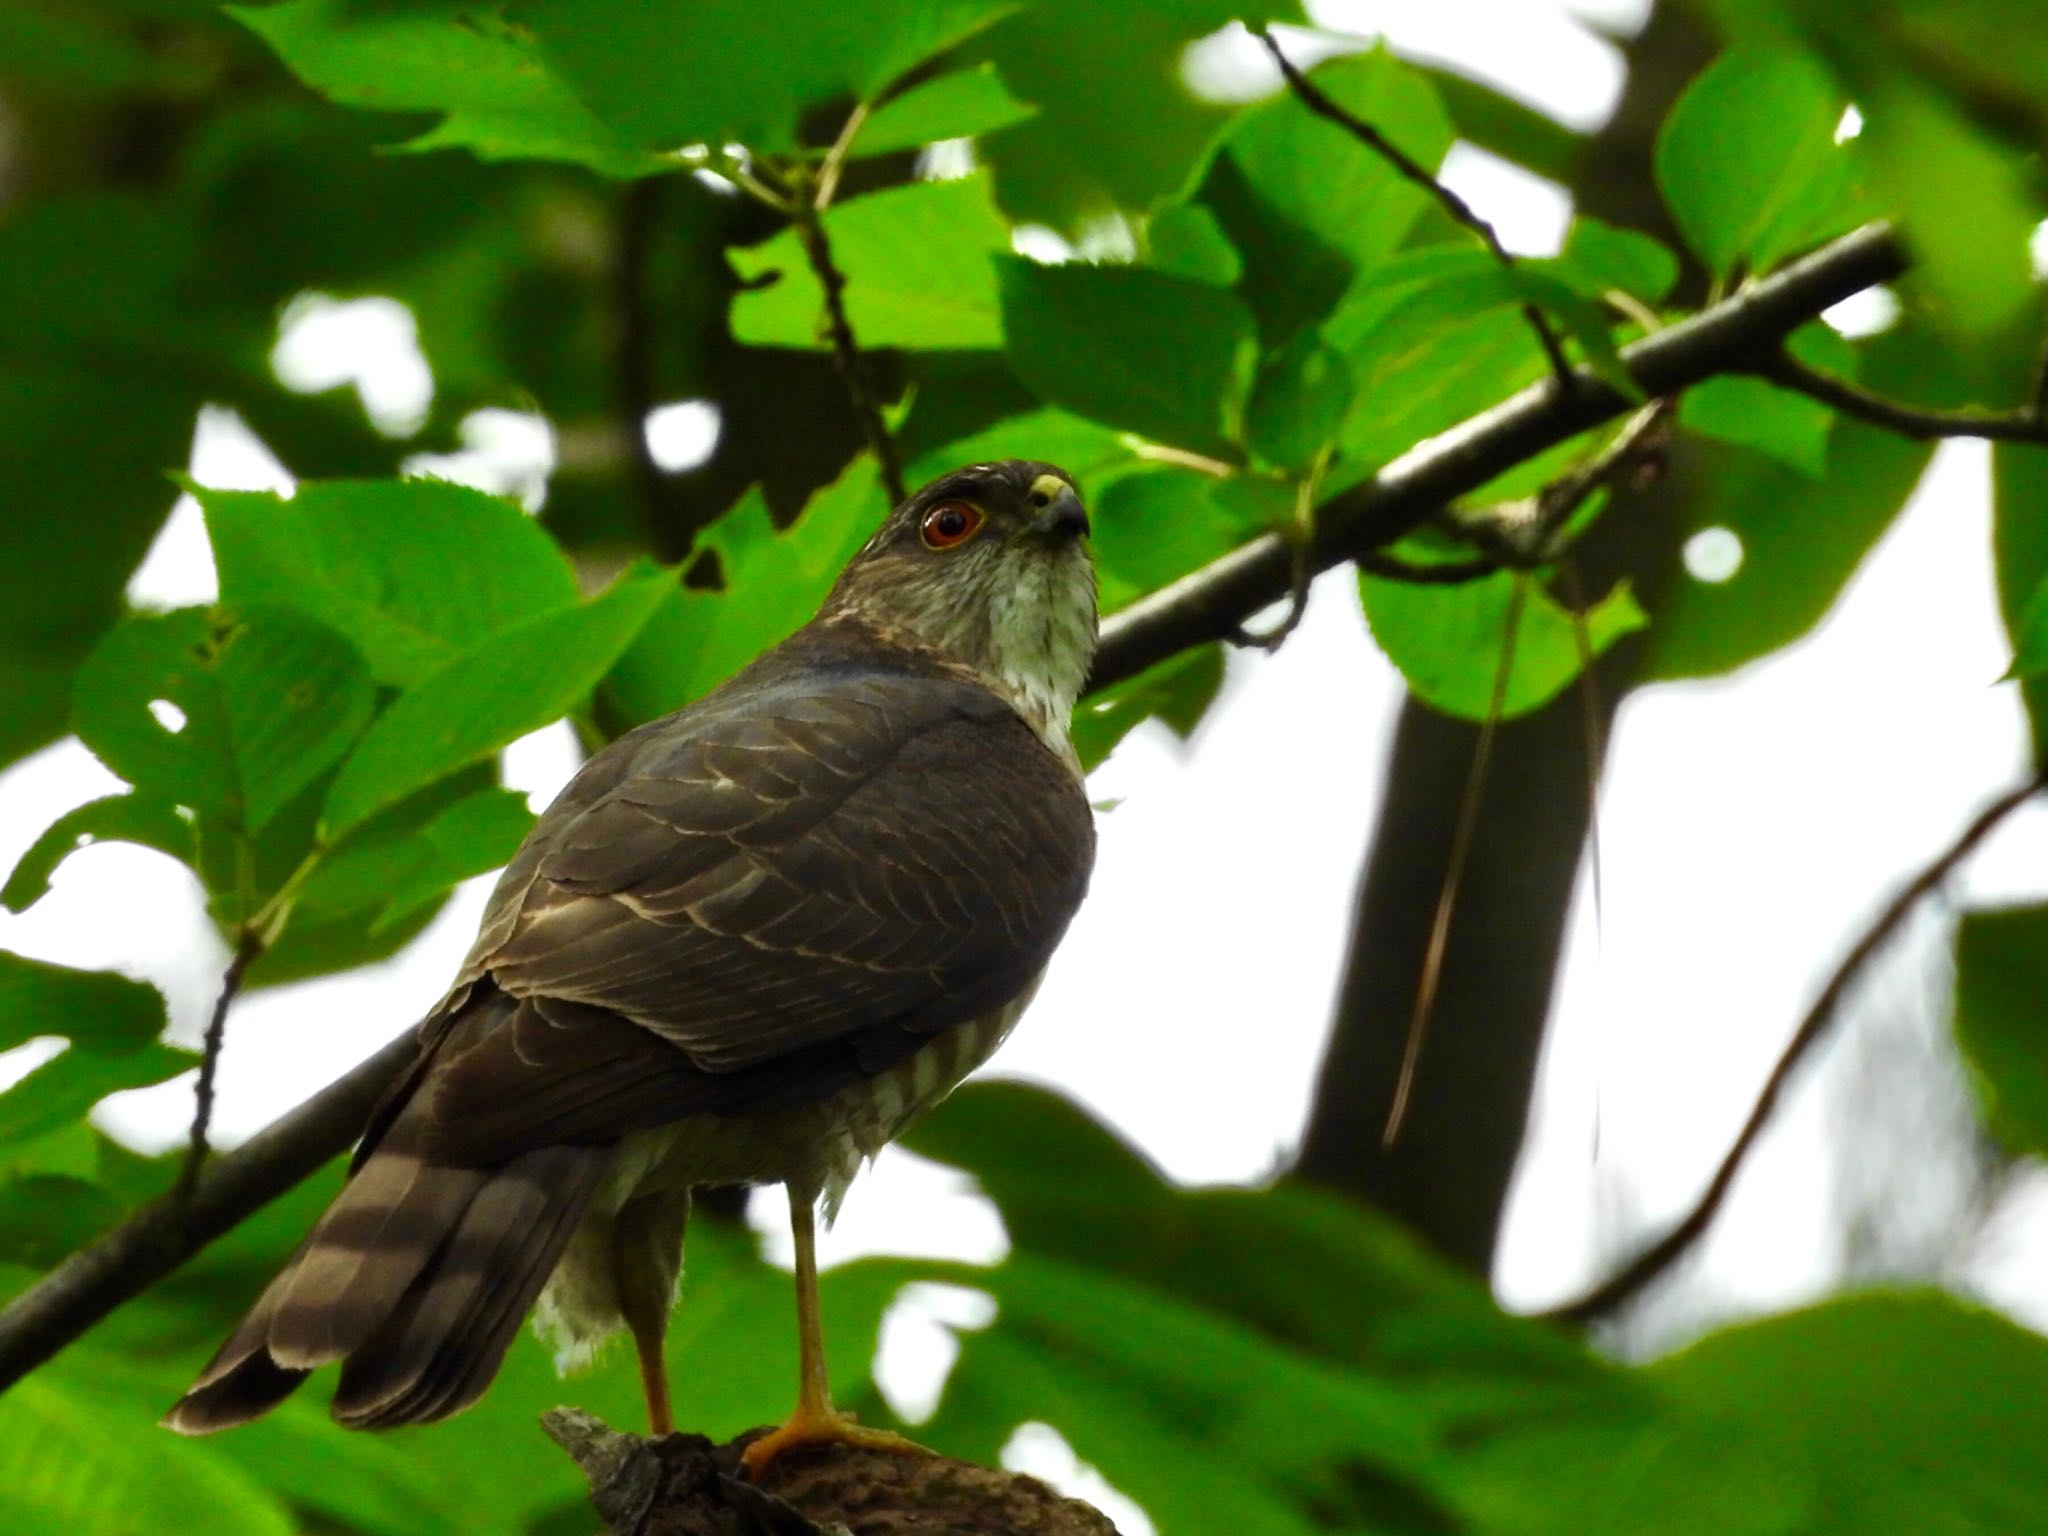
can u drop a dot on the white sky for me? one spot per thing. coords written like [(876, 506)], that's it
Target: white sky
[(1749, 826)]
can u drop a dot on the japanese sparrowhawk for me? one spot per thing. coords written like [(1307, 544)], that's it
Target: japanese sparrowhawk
[(749, 943)]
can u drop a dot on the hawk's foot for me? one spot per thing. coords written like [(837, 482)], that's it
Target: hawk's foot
[(822, 1426)]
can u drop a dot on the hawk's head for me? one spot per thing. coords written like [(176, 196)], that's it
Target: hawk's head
[(987, 568)]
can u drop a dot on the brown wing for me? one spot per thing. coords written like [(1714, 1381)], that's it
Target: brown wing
[(757, 901)]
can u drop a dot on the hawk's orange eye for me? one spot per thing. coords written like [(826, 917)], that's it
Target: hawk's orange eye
[(950, 523)]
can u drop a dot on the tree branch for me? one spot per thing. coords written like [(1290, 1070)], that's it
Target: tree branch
[(808, 217), (1629, 1281), (1206, 605), (2029, 424), (1210, 603), (130, 1258), (246, 951), (1313, 97)]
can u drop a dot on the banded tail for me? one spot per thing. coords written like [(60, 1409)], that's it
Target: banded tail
[(415, 1279)]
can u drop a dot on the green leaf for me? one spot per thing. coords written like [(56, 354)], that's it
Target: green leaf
[(1504, 126), (1155, 525), (774, 582), (1178, 691), (1116, 126), (1966, 199), (917, 269), (960, 105), (269, 700), (1448, 641), (1905, 1412), (44, 1216), (1747, 160), (414, 861), (1085, 449), (1751, 413), (1600, 255), (1795, 541), (1187, 240), (413, 572), (516, 681), (754, 68), (144, 819), (2002, 1020), (1299, 403), (95, 1009), (1306, 204), (112, 1025), (76, 1456), (1154, 354), (2019, 537), (1433, 336), (498, 96)]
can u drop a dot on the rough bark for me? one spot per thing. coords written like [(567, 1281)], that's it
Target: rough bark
[(685, 1485)]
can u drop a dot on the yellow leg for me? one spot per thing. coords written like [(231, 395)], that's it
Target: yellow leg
[(645, 1257), (816, 1421)]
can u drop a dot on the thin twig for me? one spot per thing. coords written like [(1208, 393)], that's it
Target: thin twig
[(2029, 424), (1461, 849), (1313, 97), (1654, 1260), (246, 952), (1202, 607), (810, 233), (1302, 572)]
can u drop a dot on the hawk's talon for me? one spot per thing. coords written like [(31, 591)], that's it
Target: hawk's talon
[(828, 1426)]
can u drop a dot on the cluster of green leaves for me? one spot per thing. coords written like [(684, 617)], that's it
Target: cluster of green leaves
[(1280, 314)]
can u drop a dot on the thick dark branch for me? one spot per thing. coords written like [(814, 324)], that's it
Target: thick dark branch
[(1660, 1255), (1207, 605), (1211, 603), (1313, 97), (154, 1241), (853, 367), (245, 955), (2027, 425)]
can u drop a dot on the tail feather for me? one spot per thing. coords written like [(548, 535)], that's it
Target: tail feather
[(241, 1381), (442, 1344), (384, 1229), (416, 1278)]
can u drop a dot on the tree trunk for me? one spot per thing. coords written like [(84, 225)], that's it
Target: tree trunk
[(1449, 1172)]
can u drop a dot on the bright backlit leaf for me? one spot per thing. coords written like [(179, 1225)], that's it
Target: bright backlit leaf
[(916, 260), (1747, 160), (413, 572), (148, 820), (1448, 640), (697, 639), (513, 682), (232, 714), (959, 105)]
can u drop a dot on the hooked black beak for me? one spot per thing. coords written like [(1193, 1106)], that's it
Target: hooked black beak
[(1060, 514)]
